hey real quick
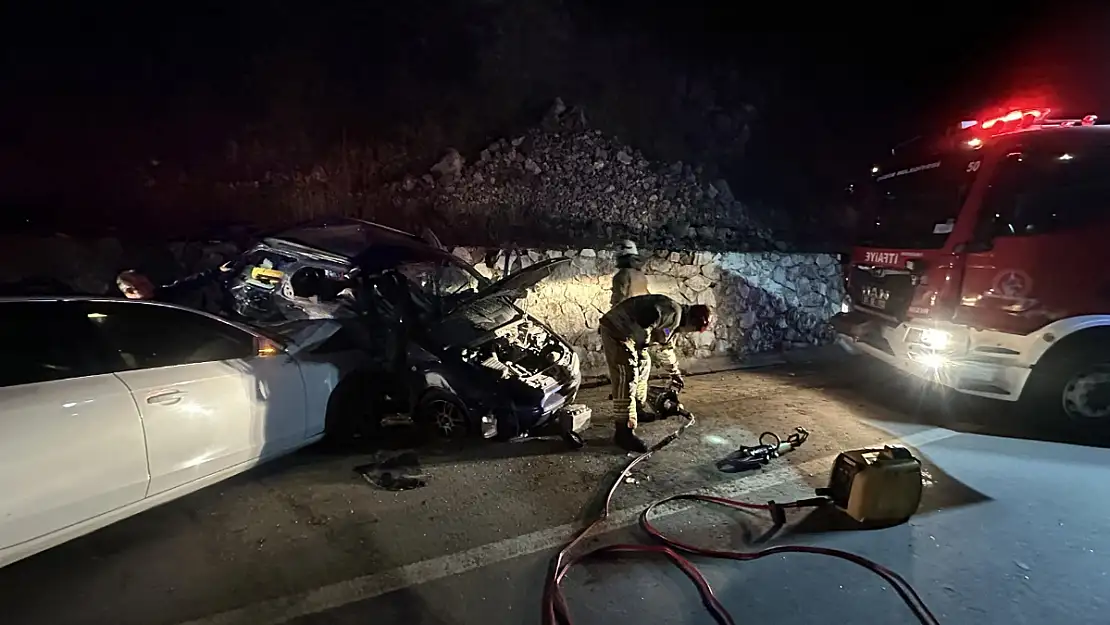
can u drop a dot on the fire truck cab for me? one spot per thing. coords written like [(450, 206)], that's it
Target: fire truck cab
[(983, 264)]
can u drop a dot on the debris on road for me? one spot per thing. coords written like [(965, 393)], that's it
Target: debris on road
[(396, 473)]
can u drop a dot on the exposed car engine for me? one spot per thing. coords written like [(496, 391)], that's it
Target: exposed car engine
[(520, 349)]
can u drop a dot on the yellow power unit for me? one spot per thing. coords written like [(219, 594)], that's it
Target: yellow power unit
[(880, 486), (264, 274)]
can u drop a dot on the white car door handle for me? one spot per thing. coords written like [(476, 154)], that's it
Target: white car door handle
[(165, 399)]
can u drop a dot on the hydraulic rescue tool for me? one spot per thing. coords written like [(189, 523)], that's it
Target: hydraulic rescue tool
[(770, 446), (664, 401)]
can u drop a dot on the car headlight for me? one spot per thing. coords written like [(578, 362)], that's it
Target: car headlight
[(936, 339)]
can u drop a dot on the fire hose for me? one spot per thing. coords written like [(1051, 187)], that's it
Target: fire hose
[(556, 611)]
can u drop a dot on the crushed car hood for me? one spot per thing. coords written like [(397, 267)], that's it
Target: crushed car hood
[(515, 285)]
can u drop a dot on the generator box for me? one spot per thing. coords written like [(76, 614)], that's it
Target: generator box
[(876, 485)]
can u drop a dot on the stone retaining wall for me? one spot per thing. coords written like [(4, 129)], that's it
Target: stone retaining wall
[(764, 301)]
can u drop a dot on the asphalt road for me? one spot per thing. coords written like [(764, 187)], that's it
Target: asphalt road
[(1011, 530)]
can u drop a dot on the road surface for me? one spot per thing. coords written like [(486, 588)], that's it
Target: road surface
[(1013, 528)]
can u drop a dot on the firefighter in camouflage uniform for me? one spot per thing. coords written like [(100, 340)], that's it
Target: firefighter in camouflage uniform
[(627, 331)]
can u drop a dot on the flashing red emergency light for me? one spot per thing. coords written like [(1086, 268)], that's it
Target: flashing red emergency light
[(972, 133), (1014, 120), (1017, 119), (1020, 119)]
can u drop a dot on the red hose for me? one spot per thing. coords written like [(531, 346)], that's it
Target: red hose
[(555, 611)]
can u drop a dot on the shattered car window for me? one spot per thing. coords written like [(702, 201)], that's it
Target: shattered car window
[(454, 280), (421, 275), (440, 280)]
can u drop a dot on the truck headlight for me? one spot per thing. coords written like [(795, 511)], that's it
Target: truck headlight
[(936, 339), (932, 361)]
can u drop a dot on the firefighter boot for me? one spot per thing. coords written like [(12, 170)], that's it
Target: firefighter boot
[(625, 438)]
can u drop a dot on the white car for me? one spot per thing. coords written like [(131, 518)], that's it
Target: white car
[(109, 407)]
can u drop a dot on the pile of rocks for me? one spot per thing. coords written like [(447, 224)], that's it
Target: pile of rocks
[(565, 183)]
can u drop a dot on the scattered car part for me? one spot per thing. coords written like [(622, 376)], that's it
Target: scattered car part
[(574, 440), (396, 473), (573, 420)]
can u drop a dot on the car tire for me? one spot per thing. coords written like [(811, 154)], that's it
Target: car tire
[(1070, 387), (352, 412), (442, 415)]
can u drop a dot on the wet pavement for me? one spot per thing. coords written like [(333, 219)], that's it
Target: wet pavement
[(1012, 528)]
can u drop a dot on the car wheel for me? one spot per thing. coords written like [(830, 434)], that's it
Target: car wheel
[(442, 415), (1072, 387)]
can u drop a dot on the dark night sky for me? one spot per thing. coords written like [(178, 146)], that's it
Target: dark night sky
[(835, 87)]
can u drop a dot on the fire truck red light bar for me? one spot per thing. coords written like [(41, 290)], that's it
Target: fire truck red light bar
[(1030, 116)]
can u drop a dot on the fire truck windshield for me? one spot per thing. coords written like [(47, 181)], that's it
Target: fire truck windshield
[(914, 205)]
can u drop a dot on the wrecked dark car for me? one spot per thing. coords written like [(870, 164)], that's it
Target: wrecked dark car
[(436, 339)]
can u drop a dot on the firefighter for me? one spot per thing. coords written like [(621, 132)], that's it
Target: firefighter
[(136, 285), (629, 280), (626, 333)]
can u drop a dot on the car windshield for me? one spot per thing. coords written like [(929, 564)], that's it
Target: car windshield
[(916, 206), (445, 279)]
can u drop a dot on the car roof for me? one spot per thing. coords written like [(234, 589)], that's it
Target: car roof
[(346, 237), (82, 298), (24, 299), (365, 244)]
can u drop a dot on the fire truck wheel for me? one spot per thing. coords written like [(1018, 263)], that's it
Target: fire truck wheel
[(1072, 387)]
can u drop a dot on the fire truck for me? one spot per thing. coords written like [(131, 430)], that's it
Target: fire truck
[(983, 263)]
